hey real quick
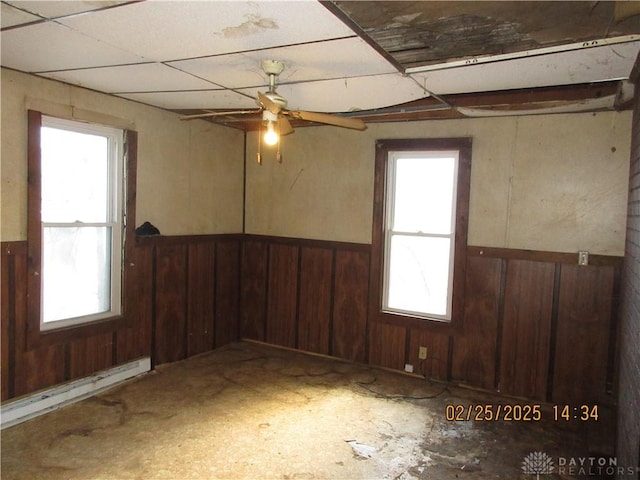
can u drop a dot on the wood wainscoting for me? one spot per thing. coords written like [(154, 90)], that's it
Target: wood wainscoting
[(306, 294), (182, 299), (536, 325)]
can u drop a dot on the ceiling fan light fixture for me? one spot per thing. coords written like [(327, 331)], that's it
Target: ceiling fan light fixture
[(271, 136)]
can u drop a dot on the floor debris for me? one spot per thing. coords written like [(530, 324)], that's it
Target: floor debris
[(362, 450)]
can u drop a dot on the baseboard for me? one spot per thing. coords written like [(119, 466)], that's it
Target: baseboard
[(44, 401)]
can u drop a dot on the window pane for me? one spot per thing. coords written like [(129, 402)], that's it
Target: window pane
[(424, 195), (76, 272), (419, 274), (74, 176)]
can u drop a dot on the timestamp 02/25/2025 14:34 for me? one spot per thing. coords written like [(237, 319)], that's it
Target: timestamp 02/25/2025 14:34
[(489, 412)]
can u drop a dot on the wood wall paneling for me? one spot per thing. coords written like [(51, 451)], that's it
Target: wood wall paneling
[(349, 333), (31, 369), (185, 296), (436, 365), (39, 368), (253, 296), (283, 295), (314, 310), (170, 303), (527, 328), (136, 340), (200, 298), (476, 350), (387, 344), (227, 291), (582, 338), (7, 296), (90, 355)]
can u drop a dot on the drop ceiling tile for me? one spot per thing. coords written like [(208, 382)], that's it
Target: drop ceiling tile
[(50, 46), (11, 16), (349, 94), (347, 57), (208, 28), (205, 99), (54, 9), (149, 77), (595, 64)]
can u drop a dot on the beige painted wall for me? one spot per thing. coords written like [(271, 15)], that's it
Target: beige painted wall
[(551, 183), (190, 174)]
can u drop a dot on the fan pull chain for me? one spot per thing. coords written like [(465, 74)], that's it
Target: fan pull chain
[(259, 157), (278, 153)]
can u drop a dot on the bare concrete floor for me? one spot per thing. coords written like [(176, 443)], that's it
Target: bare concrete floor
[(249, 411)]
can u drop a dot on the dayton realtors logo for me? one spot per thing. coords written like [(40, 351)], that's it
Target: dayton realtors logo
[(537, 463), (594, 466)]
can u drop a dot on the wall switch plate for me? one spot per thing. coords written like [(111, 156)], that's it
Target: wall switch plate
[(408, 368), (583, 258), (422, 353)]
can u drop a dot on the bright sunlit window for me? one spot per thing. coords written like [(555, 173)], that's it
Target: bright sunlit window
[(82, 222), (419, 233)]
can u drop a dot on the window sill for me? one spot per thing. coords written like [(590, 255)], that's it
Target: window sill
[(434, 325), (40, 338)]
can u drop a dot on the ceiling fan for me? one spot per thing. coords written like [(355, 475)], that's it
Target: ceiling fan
[(275, 115)]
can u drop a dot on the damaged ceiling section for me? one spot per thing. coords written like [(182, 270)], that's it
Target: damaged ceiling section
[(502, 58), (425, 33)]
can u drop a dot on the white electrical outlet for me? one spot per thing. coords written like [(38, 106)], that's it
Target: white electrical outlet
[(422, 353), (408, 368), (583, 258)]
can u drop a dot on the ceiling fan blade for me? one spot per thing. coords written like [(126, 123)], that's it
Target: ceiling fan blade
[(329, 119), (284, 125), (216, 114), (268, 104)]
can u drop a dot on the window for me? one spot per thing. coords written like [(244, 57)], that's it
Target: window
[(420, 233), (420, 225), (81, 215), (76, 224)]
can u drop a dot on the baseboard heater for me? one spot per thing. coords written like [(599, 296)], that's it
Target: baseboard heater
[(44, 401)]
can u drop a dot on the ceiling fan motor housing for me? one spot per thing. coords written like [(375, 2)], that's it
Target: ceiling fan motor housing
[(272, 67), (277, 99)]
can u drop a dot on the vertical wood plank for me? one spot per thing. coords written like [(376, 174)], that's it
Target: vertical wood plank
[(90, 355), (283, 295), (351, 289), (136, 341), (41, 367), (170, 303), (200, 298), (436, 364), (526, 330), (7, 378), (254, 290), (475, 351), (7, 323), (314, 311), (387, 345), (227, 291), (582, 336)]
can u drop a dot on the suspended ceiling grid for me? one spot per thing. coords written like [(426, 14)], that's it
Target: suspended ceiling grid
[(339, 56)]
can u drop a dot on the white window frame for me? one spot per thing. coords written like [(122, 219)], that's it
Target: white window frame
[(389, 233), (115, 219)]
